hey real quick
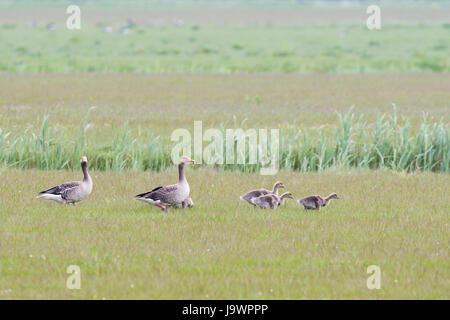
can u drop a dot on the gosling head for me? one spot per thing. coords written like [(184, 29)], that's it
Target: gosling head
[(333, 196), (185, 159), (279, 184), (286, 195)]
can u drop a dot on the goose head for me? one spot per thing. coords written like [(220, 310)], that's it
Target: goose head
[(279, 184), (185, 159), (83, 159), (333, 196), (287, 195)]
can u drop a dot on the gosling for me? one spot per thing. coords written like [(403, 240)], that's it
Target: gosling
[(261, 192), (316, 202), (271, 201)]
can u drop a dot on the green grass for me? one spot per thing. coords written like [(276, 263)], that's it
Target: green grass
[(226, 49), (217, 250), (387, 143)]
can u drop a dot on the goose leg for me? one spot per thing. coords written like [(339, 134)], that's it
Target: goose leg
[(163, 208), (64, 202)]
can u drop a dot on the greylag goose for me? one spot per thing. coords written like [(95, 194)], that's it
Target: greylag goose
[(261, 192), (70, 192), (173, 195), (271, 201), (316, 202)]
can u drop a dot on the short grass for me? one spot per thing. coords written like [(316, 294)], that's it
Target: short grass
[(219, 250)]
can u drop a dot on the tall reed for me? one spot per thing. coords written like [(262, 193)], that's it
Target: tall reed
[(389, 142)]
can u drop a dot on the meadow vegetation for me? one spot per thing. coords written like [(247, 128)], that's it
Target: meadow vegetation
[(220, 249), (225, 49), (387, 143), (347, 101)]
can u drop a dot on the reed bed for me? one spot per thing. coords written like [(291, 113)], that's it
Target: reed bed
[(390, 142)]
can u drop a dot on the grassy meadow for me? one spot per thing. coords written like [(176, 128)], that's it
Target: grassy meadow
[(220, 250), (226, 49), (355, 110)]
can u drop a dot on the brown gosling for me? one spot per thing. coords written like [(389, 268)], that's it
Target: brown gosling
[(316, 202), (261, 192), (271, 201)]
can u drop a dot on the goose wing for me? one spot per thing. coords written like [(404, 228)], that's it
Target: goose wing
[(163, 194), (254, 194), (62, 188)]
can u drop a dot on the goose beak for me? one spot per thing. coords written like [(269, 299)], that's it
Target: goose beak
[(83, 159)]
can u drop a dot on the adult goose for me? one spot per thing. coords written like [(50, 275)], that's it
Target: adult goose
[(271, 201), (261, 192), (70, 192), (316, 202), (173, 195)]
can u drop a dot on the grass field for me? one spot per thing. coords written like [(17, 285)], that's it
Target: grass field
[(136, 114), (226, 49), (287, 65), (217, 250)]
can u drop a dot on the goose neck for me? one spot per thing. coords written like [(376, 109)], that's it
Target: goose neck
[(86, 176), (181, 176), (275, 188)]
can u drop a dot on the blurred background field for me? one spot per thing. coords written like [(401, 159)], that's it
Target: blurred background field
[(223, 37), (225, 49)]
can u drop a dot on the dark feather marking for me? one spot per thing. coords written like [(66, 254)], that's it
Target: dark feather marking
[(58, 190)]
